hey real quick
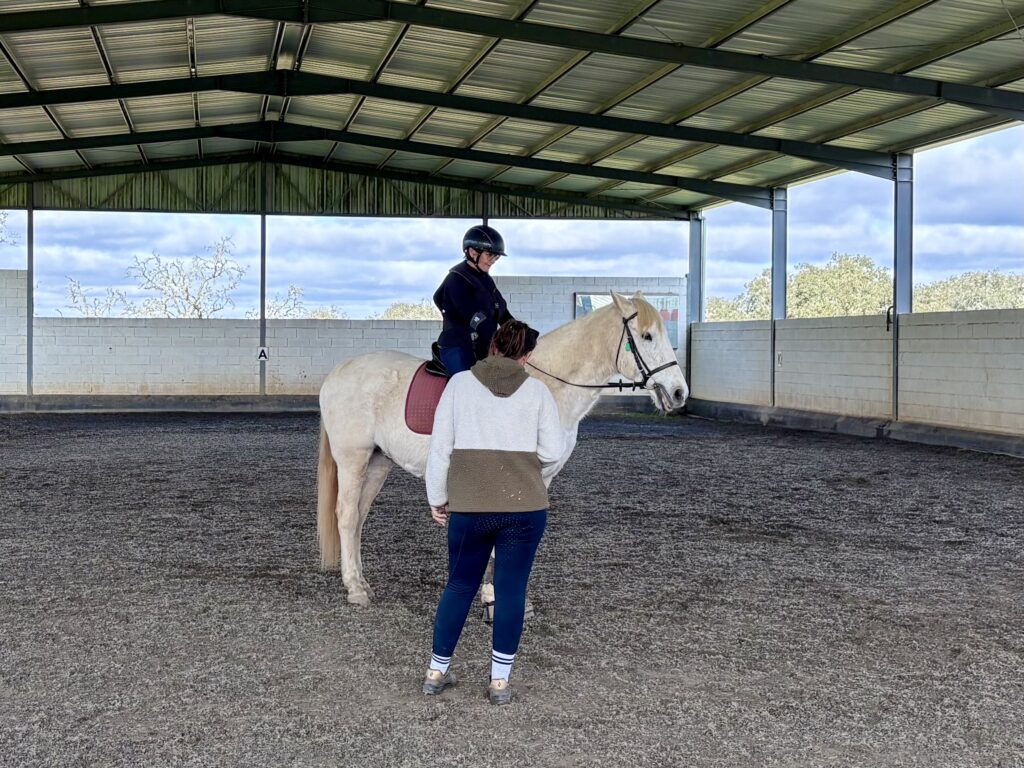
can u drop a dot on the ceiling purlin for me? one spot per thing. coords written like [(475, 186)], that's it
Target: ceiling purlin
[(105, 60), (623, 22), (16, 68), (358, 11), (865, 27), (466, 72), (719, 38), (284, 83), (270, 132), (929, 57)]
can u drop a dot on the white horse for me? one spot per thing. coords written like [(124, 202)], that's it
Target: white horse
[(363, 433)]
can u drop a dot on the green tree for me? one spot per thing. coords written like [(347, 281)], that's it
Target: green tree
[(5, 233), (847, 284), (971, 290), (402, 310)]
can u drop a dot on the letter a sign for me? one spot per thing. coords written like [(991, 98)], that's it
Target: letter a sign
[(262, 356)]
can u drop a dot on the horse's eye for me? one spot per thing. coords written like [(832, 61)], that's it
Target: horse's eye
[(648, 337)]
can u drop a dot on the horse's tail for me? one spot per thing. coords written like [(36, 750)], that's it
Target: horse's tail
[(327, 501)]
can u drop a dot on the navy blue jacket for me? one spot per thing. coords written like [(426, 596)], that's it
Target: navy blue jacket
[(465, 294)]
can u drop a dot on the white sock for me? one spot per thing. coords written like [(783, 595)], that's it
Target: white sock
[(501, 665), (440, 663)]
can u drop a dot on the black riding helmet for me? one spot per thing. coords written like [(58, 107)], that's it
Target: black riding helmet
[(483, 238)]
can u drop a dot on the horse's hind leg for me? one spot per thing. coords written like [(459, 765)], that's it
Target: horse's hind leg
[(376, 473), (352, 474), (487, 595)]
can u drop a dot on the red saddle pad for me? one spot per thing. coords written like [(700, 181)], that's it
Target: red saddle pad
[(421, 400)]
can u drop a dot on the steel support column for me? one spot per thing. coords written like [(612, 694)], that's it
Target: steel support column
[(263, 275), (779, 242), (695, 279), (30, 287), (903, 252)]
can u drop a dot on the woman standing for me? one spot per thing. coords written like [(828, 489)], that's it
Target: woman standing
[(494, 430), (471, 305)]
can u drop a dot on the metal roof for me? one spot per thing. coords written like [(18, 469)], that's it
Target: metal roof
[(638, 108)]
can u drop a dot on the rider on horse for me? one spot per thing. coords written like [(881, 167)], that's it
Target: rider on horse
[(471, 304)]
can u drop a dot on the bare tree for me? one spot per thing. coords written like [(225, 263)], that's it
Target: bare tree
[(6, 236), (199, 287), (94, 306)]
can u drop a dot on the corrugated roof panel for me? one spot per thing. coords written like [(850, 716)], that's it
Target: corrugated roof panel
[(506, 9), (93, 119), (387, 118), (222, 146), (9, 80), (516, 136), (13, 6), (513, 70), (631, 190), (903, 132), (522, 176), (576, 184), (596, 81), (755, 105), (407, 161), (50, 160), (450, 128), (322, 111), (581, 145), (834, 118), (231, 44), (977, 64), (591, 15), (706, 164), (223, 107), (470, 170), (60, 58), (349, 50), (155, 113), (802, 26), (318, 149), (684, 198), (351, 153), (9, 165), (151, 51), (690, 23), (27, 124), (670, 96), (112, 156), (432, 59), (648, 152), (924, 30), (170, 150), (780, 167)]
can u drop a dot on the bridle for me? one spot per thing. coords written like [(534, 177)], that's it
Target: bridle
[(646, 372)]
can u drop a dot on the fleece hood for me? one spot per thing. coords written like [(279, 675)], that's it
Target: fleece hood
[(501, 375)]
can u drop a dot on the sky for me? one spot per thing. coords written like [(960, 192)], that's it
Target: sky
[(968, 215)]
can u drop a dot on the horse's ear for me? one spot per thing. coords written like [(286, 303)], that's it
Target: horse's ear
[(622, 303), (637, 295)]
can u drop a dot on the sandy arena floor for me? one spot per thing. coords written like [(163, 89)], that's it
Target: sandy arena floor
[(708, 595)]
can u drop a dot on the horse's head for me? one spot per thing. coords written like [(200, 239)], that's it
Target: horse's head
[(646, 353)]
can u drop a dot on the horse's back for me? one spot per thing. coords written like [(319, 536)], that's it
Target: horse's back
[(362, 404)]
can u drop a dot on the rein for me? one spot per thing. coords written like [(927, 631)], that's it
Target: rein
[(645, 371)]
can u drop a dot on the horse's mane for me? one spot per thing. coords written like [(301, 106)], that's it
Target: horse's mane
[(648, 318)]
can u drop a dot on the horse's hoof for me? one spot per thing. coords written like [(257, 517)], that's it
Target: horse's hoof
[(359, 598), (488, 613), (369, 591)]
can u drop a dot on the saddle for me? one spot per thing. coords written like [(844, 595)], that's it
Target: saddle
[(425, 391)]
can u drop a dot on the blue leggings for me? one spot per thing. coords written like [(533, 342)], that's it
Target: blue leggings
[(457, 359), (514, 536)]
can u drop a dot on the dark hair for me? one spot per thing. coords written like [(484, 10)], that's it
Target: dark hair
[(514, 339)]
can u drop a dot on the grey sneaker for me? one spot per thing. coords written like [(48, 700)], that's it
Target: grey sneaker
[(499, 692), (435, 681)]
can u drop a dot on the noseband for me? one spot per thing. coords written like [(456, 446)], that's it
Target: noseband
[(646, 372)]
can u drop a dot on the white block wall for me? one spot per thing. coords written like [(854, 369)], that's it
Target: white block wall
[(302, 352), (548, 302), (732, 362), (963, 369), (136, 356), (839, 365), (13, 323)]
